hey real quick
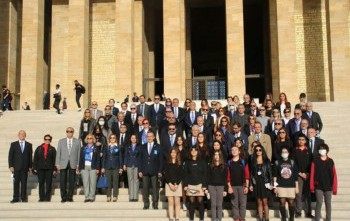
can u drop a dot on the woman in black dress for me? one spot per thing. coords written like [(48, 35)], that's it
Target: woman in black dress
[(261, 180), (282, 140)]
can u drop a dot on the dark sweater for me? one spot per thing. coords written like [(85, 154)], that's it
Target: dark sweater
[(238, 173), (302, 159), (323, 175), (173, 173), (195, 172), (216, 176), (286, 173)]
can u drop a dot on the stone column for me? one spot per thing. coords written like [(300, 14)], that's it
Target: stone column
[(32, 74), (235, 48), (78, 52), (124, 48), (138, 44), (4, 40), (283, 46), (339, 11), (174, 48)]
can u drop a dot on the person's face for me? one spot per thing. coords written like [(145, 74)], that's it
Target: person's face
[(216, 146), (124, 107), (172, 118), (269, 104), (221, 112), (235, 151), (97, 131), (286, 113), (173, 154), (205, 109), (90, 139), (253, 106), (111, 103), (156, 99), (213, 105), (195, 131), (142, 99), (309, 107), (311, 133), (238, 143), (282, 133), (172, 130), (224, 122), (113, 139), (192, 106), (268, 96), (229, 100), (262, 111), (200, 121), (133, 139), (303, 106), (275, 113), (194, 152), (47, 140), (168, 102), (251, 120), (258, 151), (301, 141), (87, 114), (122, 128), (304, 124), (236, 129), (282, 97), (187, 103), (146, 124), (235, 99), (133, 109), (257, 128), (297, 114), (179, 141), (175, 103), (218, 136), (107, 110), (140, 120), (69, 132), (200, 138), (285, 151), (168, 111), (240, 109), (246, 98), (278, 125), (121, 117), (150, 137), (94, 105), (216, 156)]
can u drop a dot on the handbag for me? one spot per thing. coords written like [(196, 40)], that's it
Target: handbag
[(102, 182), (78, 180), (195, 190)]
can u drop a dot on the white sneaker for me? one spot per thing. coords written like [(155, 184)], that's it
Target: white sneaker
[(79, 109), (184, 208)]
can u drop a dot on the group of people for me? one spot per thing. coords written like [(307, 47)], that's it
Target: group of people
[(198, 156)]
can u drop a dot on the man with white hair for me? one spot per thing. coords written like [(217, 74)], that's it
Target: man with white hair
[(313, 118)]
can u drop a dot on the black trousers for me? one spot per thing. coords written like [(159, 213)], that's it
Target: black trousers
[(21, 178), (45, 184), (146, 182), (77, 99), (67, 174)]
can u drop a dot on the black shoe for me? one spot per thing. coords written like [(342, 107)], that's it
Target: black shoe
[(70, 200), (309, 215), (87, 200), (91, 201), (41, 201), (131, 200), (155, 205), (63, 200), (14, 201), (146, 207), (25, 201), (297, 214)]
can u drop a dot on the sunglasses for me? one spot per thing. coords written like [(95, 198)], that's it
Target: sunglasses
[(287, 112), (296, 113), (90, 138), (69, 131), (282, 132), (262, 109), (157, 98), (258, 150), (204, 109), (218, 135), (278, 124), (47, 139), (94, 104), (145, 123), (133, 108), (171, 128)]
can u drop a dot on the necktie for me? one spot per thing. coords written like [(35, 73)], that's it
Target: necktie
[(156, 108), (192, 116), (258, 137), (69, 145), (122, 139), (22, 146), (205, 117), (175, 112), (194, 141), (311, 145), (149, 148), (172, 140), (95, 113), (133, 118), (142, 108)]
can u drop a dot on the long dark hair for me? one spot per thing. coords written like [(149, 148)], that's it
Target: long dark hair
[(264, 155), (221, 159), (205, 149), (178, 157)]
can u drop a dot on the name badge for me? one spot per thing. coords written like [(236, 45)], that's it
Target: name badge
[(259, 173), (156, 152), (116, 150)]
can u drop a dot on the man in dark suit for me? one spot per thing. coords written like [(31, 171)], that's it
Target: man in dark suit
[(124, 108), (116, 125), (293, 125), (114, 109), (304, 125), (192, 139), (191, 118), (151, 167), (168, 140), (124, 141), (313, 118), (179, 112), (156, 113), (20, 163), (170, 119), (237, 133), (131, 119), (207, 131), (142, 108), (208, 119), (314, 142)]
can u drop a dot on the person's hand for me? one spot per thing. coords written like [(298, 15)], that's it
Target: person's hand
[(103, 170), (251, 188), (159, 174), (275, 191), (245, 191), (58, 168), (12, 169), (140, 175), (124, 168), (98, 144), (120, 171), (297, 190), (224, 194), (185, 188), (230, 190)]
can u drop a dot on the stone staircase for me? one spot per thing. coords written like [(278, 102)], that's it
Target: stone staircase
[(39, 123)]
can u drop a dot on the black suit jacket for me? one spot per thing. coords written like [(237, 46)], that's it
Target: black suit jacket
[(181, 113), (131, 125), (115, 128), (18, 160), (166, 144), (315, 120), (156, 117), (151, 164), (145, 111), (291, 126), (318, 142), (40, 162), (187, 121)]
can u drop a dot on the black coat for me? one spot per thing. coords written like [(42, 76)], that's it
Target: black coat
[(18, 160), (151, 164), (42, 163)]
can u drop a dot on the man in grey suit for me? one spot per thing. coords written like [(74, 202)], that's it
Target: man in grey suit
[(142, 108), (95, 113), (67, 162)]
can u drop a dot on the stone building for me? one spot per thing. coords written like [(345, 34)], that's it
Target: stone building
[(185, 48)]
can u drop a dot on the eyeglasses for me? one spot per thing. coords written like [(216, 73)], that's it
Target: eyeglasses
[(47, 139), (287, 112), (282, 132), (204, 109), (133, 108), (171, 128), (90, 138), (156, 98), (93, 104), (296, 113), (218, 135), (258, 150), (107, 108), (278, 123), (69, 131), (168, 111), (145, 123)]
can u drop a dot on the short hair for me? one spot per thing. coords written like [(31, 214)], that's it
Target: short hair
[(236, 124), (48, 135), (123, 103), (302, 95), (172, 125), (91, 135), (324, 146), (112, 100)]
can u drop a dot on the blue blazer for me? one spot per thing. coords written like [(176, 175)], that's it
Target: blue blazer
[(151, 164), (112, 158), (95, 163), (132, 157)]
